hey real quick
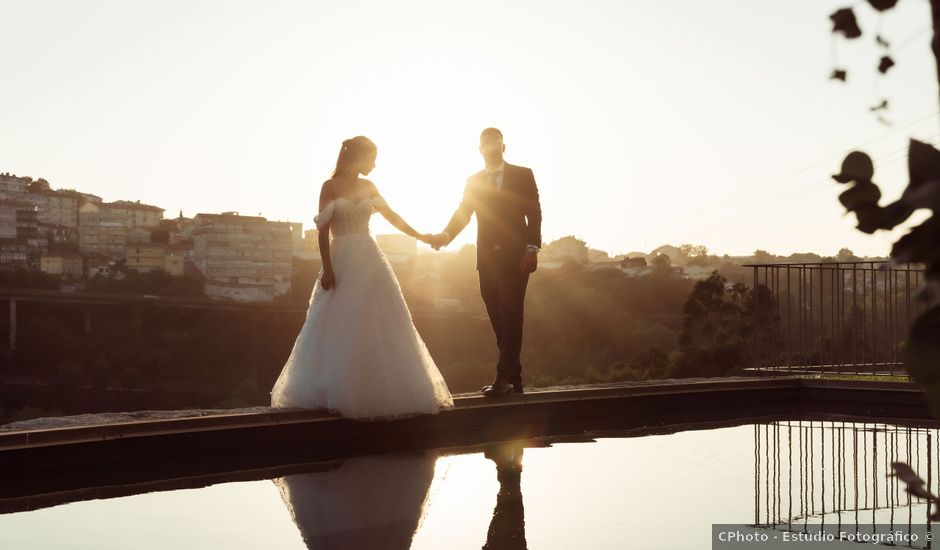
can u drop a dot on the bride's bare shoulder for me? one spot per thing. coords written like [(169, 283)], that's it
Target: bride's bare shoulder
[(328, 186), (372, 190), (327, 192)]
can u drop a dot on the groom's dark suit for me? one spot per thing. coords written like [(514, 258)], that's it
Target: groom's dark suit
[(509, 217)]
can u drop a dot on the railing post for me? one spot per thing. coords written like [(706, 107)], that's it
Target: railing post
[(874, 336), (822, 313), (789, 353), (776, 320), (756, 337), (874, 315), (801, 319), (854, 315)]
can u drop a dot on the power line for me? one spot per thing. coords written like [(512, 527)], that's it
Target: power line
[(747, 214), (766, 207), (784, 178)]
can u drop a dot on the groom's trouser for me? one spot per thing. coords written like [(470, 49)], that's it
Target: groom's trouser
[(503, 289)]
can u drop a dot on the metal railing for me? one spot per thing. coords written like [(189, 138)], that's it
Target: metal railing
[(838, 317), (812, 473)]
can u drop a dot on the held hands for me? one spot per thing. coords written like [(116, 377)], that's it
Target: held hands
[(435, 240), (426, 238), (440, 240)]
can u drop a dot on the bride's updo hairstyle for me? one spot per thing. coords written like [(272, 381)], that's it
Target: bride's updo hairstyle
[(352, 150)]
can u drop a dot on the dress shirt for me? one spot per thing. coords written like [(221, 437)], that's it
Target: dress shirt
[(498, 170), (499, 174)]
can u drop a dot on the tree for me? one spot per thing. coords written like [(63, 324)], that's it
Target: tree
[(569, 246), (711, 342), (692, 250), (846, 255), (694, 254), (662, 266), (804, 257), (37, 186), (718, 321), (763, 257), (922, 243), (160, 236), (651, 363)]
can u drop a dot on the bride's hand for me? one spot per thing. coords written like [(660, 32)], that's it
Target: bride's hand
[(426, 238), (328, 280)]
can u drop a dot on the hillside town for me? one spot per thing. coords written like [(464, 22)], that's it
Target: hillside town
[(78, 238)]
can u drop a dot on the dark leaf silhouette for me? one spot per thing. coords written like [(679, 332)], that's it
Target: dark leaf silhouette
[(919, 245), (880, 107), (843, 21), (895, 213), (923, 163), (862, 194), (838, 74), (922, 243), (886, 63), (915, 486), (882, 5), (869, 219), (921, 356), (857, 166), (919, 242)]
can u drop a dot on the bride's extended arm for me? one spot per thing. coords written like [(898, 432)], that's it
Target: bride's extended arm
[(396, 220), (400, 224)]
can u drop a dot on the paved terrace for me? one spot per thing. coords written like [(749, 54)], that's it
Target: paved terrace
[(48, 461)]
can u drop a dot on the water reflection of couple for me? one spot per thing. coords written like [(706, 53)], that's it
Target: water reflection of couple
[(358, 352), (379, 501)]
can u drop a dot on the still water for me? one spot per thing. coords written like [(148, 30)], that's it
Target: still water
[(625, 491)]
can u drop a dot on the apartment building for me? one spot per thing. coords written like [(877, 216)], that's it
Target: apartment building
[(246, 258)]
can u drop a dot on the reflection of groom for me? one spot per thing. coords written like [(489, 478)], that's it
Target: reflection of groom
[(509, 234), (507, 528)]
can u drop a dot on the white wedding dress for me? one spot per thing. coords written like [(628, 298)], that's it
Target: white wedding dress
[(358, 353), (367, 502)]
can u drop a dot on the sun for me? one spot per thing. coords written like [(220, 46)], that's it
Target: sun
[(423, 163)]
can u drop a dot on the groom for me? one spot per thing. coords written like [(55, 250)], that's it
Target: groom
[(509, 234)]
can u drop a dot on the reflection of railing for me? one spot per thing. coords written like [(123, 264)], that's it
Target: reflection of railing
[(808, 474), (848, 317)]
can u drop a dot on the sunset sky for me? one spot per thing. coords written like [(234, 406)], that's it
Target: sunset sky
[(645, 122)]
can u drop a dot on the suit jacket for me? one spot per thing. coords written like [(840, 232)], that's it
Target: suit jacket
[(508, 218)]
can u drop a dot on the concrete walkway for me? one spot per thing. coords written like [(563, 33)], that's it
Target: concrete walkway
[(44, 461)]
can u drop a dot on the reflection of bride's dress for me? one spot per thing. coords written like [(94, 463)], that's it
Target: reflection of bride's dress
[(358, 352), (368, 502)]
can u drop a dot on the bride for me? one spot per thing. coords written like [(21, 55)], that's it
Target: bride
[(358, 352)]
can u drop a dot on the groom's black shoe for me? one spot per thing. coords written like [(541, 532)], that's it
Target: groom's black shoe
[(516, 387), (495, 381), (499, 389)]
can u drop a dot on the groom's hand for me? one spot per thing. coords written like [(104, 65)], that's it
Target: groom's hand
[(438, 240), (529, 262)]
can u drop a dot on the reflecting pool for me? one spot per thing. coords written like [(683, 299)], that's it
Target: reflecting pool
[(594, 491)]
